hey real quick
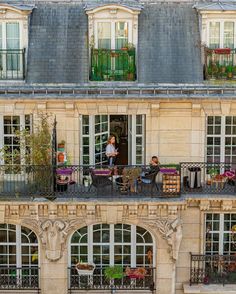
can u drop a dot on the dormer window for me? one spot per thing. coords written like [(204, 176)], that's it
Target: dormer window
[(218, 21), (113, 41), (13, 40)]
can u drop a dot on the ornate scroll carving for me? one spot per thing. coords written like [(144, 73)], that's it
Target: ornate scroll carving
[(171, 231), (53, 234)]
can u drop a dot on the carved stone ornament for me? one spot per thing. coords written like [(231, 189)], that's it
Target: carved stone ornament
[(53, 237), (171, 231), (53, 234)]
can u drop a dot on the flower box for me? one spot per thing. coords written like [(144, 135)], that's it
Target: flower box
[(222, 51), (136, 273), (85, 269)]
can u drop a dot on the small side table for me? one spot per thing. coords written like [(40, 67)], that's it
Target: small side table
[(219, 182)]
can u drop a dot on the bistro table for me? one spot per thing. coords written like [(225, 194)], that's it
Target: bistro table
[(63, 178), (101, 178)]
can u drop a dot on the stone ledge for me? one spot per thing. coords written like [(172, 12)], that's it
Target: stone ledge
[(208, 289)]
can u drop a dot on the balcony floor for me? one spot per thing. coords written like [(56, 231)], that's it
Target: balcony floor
[(77, 192)]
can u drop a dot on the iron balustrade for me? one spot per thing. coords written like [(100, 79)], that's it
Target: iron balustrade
[(76, 182), (212, 269), (23, 278), (208, 178), (12, 64), (97, 281), (25, 181), (220, 64), (113, 65)]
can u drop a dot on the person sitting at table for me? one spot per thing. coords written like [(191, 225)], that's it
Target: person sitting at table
[(111, 151), (153, 168)]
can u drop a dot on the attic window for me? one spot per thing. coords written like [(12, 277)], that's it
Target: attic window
[(13, 40), (113, 39)]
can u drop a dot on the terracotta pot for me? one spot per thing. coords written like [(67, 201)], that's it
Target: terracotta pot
[(60, 157), (61, 146)]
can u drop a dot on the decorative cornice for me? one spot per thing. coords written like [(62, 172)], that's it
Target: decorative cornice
[(18, 8)]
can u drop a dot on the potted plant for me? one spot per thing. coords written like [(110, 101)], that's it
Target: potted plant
[(229, 71), (130, 72), (114, 272), (213, 172), (136, 273), (84, 268), (61, 145)]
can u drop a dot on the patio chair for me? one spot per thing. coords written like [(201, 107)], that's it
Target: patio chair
[(149, 180), (100, 181)]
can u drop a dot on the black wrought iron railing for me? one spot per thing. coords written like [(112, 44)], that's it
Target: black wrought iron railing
[(24, 278), (212, 269), (97, 281), (113, 65), (208, 178), (12, 64), (18, 181), (220, 63), (71, 182)]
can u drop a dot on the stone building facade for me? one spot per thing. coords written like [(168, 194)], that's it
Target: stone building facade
[(161, 72)]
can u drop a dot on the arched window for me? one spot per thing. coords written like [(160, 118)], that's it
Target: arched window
[(105, 245), (119, 244), (18, 257)]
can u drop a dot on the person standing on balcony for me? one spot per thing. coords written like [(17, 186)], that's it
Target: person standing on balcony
[(111, 151)]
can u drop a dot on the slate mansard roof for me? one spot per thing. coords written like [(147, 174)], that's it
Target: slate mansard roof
[(168, 46)]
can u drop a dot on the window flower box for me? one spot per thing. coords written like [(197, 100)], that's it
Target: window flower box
[(222, 51), (85, 269), (136, 273)]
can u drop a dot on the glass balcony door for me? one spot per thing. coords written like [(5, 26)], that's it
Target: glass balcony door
[(112, 35), (11, 57), (95, 130)]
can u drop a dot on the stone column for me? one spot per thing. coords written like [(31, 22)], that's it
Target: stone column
[(54, 274)]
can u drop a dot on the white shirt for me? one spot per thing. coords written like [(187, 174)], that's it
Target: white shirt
[(110, 148)]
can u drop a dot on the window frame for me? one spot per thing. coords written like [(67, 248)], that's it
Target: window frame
[(222, 136), (112, 243), (220, 232), (221, 37), (113, 30), (22, 127), (18, 245)]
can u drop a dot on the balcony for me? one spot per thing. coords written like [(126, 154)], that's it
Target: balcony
[(212, 269), (19, 279), (220, 64), (113, 65), (12, 64), (76, 182), (97, 281)]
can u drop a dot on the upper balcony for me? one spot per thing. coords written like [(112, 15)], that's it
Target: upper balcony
[(120, 182), (113, 65), (12, 64), (220, 64)]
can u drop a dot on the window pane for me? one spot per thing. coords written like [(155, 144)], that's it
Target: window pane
[(229, 34), (104, 35), (121, 34), (214, 35)]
